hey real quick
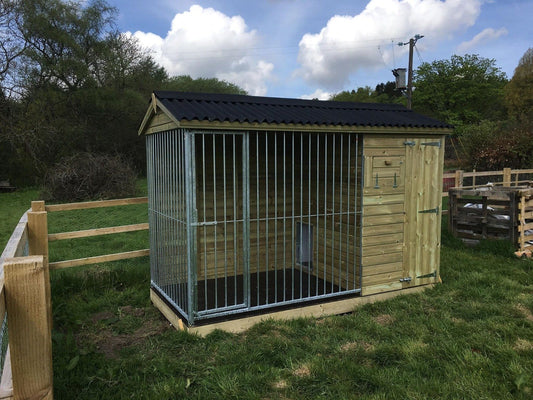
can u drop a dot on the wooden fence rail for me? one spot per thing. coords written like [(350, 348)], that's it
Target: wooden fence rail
[(93, 232), (509, 177)]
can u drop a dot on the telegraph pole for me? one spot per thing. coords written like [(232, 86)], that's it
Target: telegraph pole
[(411, 44)]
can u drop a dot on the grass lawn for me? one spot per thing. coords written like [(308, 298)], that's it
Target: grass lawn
[(469, 338)]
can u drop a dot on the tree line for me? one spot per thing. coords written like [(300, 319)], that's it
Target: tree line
[(71, 83), (492, 115)]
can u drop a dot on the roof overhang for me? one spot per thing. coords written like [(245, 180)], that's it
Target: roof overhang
[(158, 119)]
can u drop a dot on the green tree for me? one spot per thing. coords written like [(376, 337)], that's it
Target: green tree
[(184, 83), (383, 93), (462, 90), (519, 90)]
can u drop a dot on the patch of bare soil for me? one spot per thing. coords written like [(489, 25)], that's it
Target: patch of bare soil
[(384, 319), (354, 345), (523, 345), (302, 371), (524, 310), (281, 384), (110, 343)]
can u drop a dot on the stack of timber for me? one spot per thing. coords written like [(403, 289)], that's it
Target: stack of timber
[(497, 213)]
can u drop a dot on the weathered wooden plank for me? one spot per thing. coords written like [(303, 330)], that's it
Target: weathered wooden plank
[(382, 249), (382, 230), (387, 219), (6, 382), (96, 204), (16, 243), (385, 278), (396, 208), (393, 287), (382, 259), (382, 269), (383, 199), (99, 259), (29, 324), (382, 240), (97, 232), (385, 142), (370, 295)]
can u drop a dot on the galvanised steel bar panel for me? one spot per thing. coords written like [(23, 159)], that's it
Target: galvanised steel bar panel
[(190, 195), (246, 217), (166, 215)]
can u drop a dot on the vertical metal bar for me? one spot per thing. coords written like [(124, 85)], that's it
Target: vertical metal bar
[(246, 216), (235, 224), (349, 213), (341, 213), (190, 187), (183, 288), (258, 215), (301, 208), (326, 149), (334, 149), (358, 237), (225, 224), (215, 219), (317, 209), (284, 216), (276, 217), (204, 174), (267, 221), (293, 232), (309, 233), (166, 146)]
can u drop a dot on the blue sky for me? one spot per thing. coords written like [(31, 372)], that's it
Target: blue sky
[(314, 48)]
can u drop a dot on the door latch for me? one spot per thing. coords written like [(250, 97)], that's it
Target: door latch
[(409, 143), (431, 275), (436, 144), (406, 279), (430, 211)]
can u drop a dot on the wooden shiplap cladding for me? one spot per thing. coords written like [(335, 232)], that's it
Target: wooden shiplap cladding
[(400, 233)]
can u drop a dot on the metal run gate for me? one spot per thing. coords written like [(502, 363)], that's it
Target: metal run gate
[(243, 221)]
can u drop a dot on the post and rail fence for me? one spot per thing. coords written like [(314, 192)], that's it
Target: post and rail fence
[(25, 300)]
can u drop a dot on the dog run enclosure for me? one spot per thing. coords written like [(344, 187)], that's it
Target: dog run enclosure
[(259, 203)]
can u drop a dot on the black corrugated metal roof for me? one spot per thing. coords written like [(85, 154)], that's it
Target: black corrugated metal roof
[(271, 110)]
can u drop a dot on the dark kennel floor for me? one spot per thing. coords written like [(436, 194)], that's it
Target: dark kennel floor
[(274, 287)]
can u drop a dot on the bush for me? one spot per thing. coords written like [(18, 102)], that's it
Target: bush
[(86, 176), (494, 146)]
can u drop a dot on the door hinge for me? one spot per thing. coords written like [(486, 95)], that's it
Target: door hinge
[(436, 144), (406, 279), (431, 275), (430, 211), (409, 143)]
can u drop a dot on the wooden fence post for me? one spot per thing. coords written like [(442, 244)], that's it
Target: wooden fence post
[(30, 339), (459, 178), (38, 242), (507, 177)]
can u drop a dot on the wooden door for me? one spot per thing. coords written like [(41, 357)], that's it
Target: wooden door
[(423, 197)]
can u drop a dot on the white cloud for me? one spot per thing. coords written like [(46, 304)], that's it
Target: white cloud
[(350, 43), (203, 42), (486, 35), (317, 94)]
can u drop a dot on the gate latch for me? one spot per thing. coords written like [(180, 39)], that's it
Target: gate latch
[(431, 275), (430, 211), (436, 144), (406, 279)]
